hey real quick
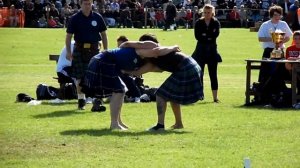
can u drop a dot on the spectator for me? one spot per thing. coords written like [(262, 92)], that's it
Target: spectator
[(255, 16), (189, 18), (29, 14), (206, 31), (234, 17), (125, 18), (39, 8), (66, 13), (108, 16), (13, 16), (159, 16), (153, 21), (181, 17), (52, 23), (54, 12), (114, 6), (243, 12), (171, 13), (42, 22)]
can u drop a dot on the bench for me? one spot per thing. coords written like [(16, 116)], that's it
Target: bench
[(53, 57)]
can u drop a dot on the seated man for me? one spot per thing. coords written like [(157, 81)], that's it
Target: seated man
[(63, 70)]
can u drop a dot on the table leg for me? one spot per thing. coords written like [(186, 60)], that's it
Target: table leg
[(294, 84), (248, 80)]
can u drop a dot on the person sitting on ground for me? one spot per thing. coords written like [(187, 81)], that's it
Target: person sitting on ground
[(63, 70)]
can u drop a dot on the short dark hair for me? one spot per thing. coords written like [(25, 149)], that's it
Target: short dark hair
[(148, 37), (122, 38), (275, 8), (296, 33)]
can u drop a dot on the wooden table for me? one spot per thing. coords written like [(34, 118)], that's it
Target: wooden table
[(253, 64)]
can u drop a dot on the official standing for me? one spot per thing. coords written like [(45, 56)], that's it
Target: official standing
[(89, 29)]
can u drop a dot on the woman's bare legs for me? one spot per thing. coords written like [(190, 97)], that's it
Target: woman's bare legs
[(177, 114), (116, 102)]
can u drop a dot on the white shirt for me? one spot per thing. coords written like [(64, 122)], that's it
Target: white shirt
[(266, 27), (63, 61)]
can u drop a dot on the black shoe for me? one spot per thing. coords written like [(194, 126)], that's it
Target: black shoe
[(81, 104), (97, 106), (158, 127)]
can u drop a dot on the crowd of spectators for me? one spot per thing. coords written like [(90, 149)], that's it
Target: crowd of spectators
[(138, 13)]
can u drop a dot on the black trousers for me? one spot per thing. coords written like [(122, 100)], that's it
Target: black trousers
[(212, 70)]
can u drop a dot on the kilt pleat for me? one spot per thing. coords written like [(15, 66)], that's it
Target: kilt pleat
[(183, 86), (102, 78)]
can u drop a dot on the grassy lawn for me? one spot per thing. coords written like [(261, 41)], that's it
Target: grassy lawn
[(215, 135)]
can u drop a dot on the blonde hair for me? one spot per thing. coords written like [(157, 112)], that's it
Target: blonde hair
[(209, 6)]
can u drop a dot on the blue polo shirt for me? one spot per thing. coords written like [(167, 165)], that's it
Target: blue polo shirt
[(126, 58), (86, 29)]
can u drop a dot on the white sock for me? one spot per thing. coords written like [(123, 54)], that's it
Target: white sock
[(81, 96)]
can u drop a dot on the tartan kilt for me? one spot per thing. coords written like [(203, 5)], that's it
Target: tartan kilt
[(101, 78), (81, 59), (183, 86)]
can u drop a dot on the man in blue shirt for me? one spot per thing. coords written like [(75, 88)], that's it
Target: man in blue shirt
[(89, 29)]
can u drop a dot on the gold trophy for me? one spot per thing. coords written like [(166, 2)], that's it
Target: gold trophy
[(277, 38)]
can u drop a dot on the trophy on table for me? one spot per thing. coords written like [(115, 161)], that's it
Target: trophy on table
[(277, 38)]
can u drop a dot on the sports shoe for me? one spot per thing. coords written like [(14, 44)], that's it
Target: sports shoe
[(57, 101), (137, 100), (97, 106), (158, 127), (81, 104), (89, 100)]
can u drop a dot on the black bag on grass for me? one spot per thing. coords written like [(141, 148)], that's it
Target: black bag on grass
[(68, 91), (45, 92)]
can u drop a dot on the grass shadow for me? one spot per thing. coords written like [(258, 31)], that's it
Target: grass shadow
[(58, 104), (57, 114), (106, 131), (264, 107)]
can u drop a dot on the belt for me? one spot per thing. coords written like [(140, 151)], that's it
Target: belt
[(87, 45)]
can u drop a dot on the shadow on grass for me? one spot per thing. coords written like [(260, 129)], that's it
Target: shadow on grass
[(57, 114), (58, 104), (264, 107), (105, 132)]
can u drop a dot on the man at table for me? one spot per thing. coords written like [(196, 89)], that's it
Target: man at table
[(264, 36), (275, 85)]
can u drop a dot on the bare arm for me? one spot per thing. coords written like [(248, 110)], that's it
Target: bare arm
[(269, 39), (148, 67), (156, 52), (139, 44), (104, 40), (68, 46)]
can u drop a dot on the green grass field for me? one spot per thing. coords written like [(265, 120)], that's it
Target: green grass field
[(215, 135)]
